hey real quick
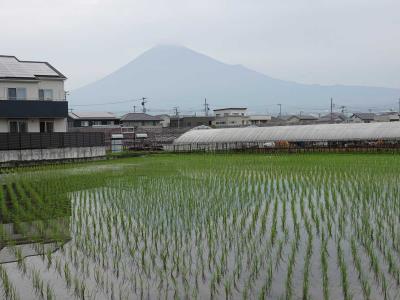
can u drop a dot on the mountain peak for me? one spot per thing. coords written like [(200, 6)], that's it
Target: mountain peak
[(172, 51), (174, 75)]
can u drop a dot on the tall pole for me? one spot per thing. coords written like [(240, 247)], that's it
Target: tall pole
[(143, 104), (331, 109), (177, 114), (134, 108), (206, 109), (280, 110), (399, 106)]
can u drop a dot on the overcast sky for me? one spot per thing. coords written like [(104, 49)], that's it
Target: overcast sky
[(308, 41)]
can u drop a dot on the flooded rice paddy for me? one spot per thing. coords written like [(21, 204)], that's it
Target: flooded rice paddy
[(203, 227)]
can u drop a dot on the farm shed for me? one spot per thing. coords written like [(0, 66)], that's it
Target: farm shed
[(300, 135)]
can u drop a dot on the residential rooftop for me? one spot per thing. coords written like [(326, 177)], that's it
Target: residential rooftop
[(92, 115), (13, 68), (140, 117), (231, 108), (365, 116)]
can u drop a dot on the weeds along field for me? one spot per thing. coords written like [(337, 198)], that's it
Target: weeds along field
[(203, 226)]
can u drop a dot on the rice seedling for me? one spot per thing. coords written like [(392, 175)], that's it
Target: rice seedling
[(203, 226)]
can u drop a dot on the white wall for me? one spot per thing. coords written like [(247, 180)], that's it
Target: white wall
[(33, 125), (56, 85), (60, 125), (231, 121), (32, 88), (3, 125), (231, 112)]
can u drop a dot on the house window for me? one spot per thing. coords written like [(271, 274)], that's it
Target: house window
[(16, 93), (46, 126), (84, 123), (97, 123), (45, 94), (18, 126)]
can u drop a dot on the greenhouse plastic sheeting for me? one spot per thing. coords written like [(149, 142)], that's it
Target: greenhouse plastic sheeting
[(320, 132)]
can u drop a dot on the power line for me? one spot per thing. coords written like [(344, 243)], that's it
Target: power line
[(107, 103)]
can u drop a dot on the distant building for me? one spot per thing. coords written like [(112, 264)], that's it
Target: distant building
[(333, 118), (388, 117), (230, 117), (191, 121), (91, 119), (362, 118), (32, 97), (141, 120), (259, 120), (301, 119), (166, 119)]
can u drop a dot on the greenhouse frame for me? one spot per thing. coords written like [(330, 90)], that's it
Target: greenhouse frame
[(349, 135)]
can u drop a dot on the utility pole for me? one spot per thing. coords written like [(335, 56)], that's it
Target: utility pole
[(399, 106), (331, 109), (206, 107), (134, 108), (144, 101), (176, 109), (280, 110)]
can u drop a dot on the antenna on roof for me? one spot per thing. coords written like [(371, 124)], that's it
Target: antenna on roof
[(144, 101)]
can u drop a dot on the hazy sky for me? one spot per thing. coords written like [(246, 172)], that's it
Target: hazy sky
[(308, 41)]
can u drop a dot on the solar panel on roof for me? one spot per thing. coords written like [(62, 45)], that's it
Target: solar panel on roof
[(11, 67)]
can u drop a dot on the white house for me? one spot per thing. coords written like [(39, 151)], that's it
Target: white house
[(388, 117), (259, 120), (32, 97), (231, 117), (363, 118)]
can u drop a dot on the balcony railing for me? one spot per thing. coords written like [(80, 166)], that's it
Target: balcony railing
[(33, 109)]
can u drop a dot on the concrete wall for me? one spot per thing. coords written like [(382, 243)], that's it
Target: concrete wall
[(51, 154)]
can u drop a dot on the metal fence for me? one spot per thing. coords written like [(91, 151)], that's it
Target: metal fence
[(261, 147), (21, 141)]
